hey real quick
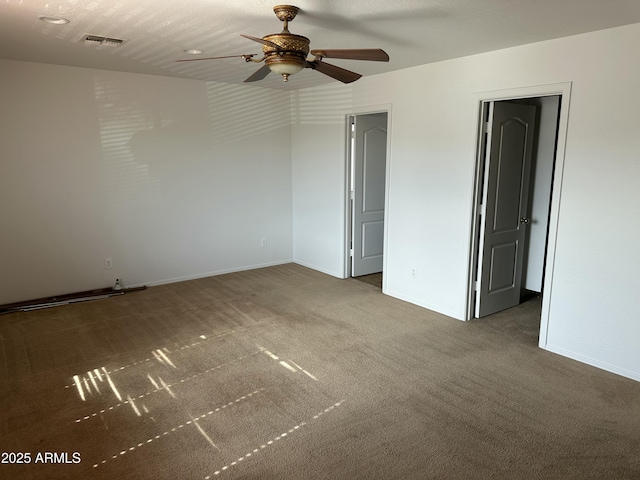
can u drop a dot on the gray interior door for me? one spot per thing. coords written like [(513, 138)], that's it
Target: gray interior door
[(369, 170), (506, 190)]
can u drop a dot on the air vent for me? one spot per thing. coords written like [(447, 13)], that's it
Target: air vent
[(99, 40)]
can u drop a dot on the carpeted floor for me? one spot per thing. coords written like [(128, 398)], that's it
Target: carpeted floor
[(373, 279), (287, 373)]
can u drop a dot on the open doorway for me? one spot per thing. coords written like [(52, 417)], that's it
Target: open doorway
[(516, 201), (367, 167), (518, 153)]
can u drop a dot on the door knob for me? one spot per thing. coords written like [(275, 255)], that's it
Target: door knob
[(525, 220)]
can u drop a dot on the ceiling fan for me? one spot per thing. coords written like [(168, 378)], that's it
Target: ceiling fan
[(285, 53)]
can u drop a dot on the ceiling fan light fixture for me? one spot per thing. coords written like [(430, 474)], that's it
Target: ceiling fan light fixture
[(285, 65)]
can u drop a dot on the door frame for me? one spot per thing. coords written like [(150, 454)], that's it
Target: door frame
[(481, 99), (384, 108)]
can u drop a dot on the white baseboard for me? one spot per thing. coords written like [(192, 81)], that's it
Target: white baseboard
[(434, 308), (593, 362), (211, 274), (319, 269)]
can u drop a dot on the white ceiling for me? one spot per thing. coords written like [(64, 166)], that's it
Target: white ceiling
[(412, 32)]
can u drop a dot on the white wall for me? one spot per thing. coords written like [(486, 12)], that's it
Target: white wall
[(592, 311), (170, 178), (319, 177)]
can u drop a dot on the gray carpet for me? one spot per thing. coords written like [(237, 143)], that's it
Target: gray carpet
[(286, 373)]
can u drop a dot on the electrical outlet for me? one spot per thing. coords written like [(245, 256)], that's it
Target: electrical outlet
[(414, 272), (263, 242), (108, 263)]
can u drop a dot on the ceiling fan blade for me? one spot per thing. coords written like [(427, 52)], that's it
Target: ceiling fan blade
[(345, 76), (371, 54), (264, 42), (259, 74), (216, 58)]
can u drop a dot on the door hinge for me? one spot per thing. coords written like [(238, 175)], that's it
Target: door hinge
[(486, 126), (476, 285), (351, 253)]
